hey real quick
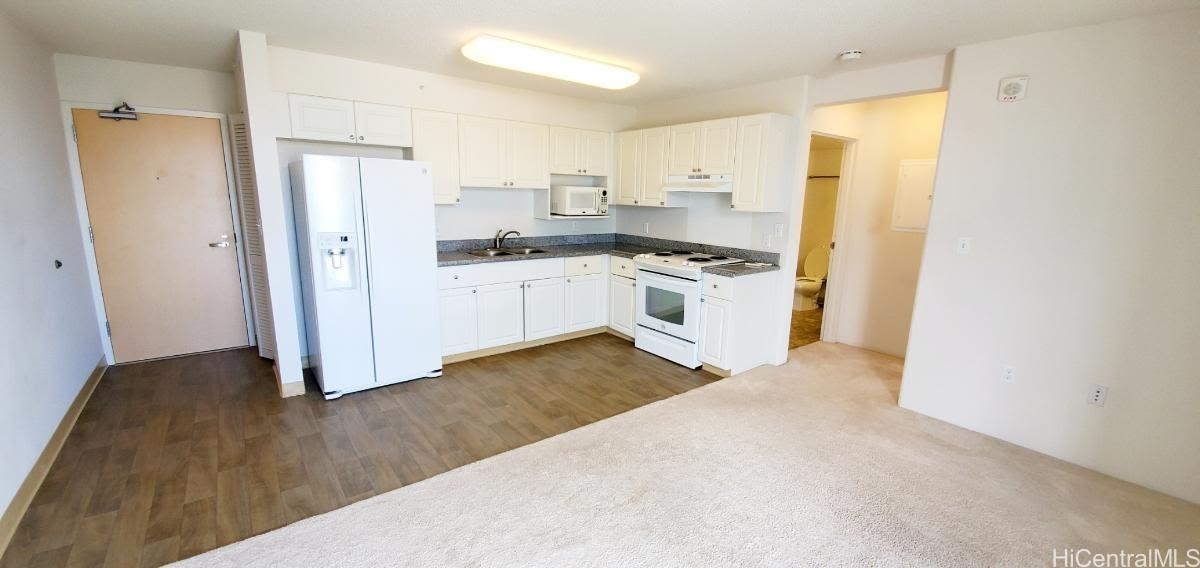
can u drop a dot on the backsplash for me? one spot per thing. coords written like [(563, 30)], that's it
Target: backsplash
[(649, 242)]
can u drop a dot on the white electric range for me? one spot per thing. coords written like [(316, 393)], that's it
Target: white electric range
[(668, 303)]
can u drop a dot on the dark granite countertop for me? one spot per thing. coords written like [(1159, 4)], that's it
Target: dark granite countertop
[(741, 269), (458, 258)]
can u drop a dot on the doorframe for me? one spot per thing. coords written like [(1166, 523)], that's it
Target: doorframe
[(85, 220), (835, 280)]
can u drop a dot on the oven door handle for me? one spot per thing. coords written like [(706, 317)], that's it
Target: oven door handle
[(653, 275)]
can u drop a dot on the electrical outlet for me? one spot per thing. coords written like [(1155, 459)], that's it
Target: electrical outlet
[(963, 246), (766, 241), (574, 225), (779, 230), (646, 228), (1008, 375), (1098, 395)]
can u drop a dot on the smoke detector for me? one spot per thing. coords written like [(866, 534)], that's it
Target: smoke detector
[(850, 55)]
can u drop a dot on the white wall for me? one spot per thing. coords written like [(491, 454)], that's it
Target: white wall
[(49, 342), (906, 78), (110, 81), (876, 280), (1083, 201)]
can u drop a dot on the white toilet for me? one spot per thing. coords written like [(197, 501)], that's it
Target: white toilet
[(816, 267)]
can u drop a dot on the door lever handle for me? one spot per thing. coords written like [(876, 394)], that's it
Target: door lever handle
[(222, 244)]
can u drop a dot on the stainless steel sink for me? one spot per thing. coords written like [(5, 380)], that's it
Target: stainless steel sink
[(525, 250), (489, 252)]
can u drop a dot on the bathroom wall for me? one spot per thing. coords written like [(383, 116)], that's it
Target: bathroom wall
[(820, 199), (878, 266)]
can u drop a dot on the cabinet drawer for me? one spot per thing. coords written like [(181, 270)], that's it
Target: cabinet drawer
[(498, 272), (718, 286), (621, 266), (580, 265)]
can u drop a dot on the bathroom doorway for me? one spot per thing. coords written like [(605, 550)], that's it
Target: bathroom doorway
[(826, 156)]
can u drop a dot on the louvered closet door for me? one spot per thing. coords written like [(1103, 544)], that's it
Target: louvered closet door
[(256, 261)]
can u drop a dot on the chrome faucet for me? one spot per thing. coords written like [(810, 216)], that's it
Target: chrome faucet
[(501, 235)]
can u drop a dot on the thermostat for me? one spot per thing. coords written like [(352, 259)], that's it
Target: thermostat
[(1012, 89)]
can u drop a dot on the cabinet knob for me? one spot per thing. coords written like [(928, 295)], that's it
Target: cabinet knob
[(635, 202), (731, 206), (474, 291), (456, 277), (585, 171), (361, 138), (585, 266), (701, 300), (662, 202), (457, 199), (714, 286), (568, 280)]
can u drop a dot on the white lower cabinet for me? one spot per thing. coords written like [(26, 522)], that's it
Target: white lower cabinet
[(716, 317), (622, 293), (501, 309), (585, 302), (460, 320), (544, 308)]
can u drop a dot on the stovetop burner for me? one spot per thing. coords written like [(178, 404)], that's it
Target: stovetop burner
[(682, 252), (664, 254), (702, 259), (718, 258)]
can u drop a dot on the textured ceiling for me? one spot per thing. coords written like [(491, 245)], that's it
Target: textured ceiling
[(680, 47)]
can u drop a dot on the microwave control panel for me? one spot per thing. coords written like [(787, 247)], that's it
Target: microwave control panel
[(602, 206)]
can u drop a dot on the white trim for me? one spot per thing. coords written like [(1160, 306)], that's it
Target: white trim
[(85, 220), (835, 281)]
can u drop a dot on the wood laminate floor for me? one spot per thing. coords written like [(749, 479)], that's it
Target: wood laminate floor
[(806, 327), (175, 457)]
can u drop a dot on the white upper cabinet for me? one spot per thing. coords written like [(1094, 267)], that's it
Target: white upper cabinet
[(579, 152), (642, 166), (717, 146), (383, 125), (528, 156), (764, 174), (653, 158), (481, 143), (703, 147), (628, 149), (565, 146), (320, 118), (501, 153), (353, 122), (596, 154), (685, 149), (435, 140)]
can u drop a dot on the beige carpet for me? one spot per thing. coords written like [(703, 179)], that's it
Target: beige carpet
[(809, 464)]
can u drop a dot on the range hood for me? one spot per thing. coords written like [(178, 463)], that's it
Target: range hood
[(706, 183)]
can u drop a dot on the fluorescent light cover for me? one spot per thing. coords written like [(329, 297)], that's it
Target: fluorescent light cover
[(509, 54)]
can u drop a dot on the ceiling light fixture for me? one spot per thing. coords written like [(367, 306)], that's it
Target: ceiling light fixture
[(517, 56), (850, 55)]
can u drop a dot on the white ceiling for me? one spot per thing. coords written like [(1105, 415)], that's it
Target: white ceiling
[(679, 46)]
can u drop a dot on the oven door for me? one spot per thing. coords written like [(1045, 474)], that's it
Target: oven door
[(669, 304)]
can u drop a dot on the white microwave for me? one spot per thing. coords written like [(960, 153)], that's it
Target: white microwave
[(578, 201)]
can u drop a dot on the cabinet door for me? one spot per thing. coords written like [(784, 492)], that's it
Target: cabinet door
[(585, 302), (621, 293), (319, 118), (653, 167), (383, 125), (566, 146), (460, 324), (716, 146), (528, 155), (750, 175), (544, 308), (435, 140), (481, 143), (628, 176), (685, 149), (501, 314), (594, 155), (716, 316)]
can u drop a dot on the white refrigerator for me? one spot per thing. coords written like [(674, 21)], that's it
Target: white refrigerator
[(368, 262)]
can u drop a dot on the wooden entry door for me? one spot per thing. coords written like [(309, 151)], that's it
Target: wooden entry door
[(158, 200)]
